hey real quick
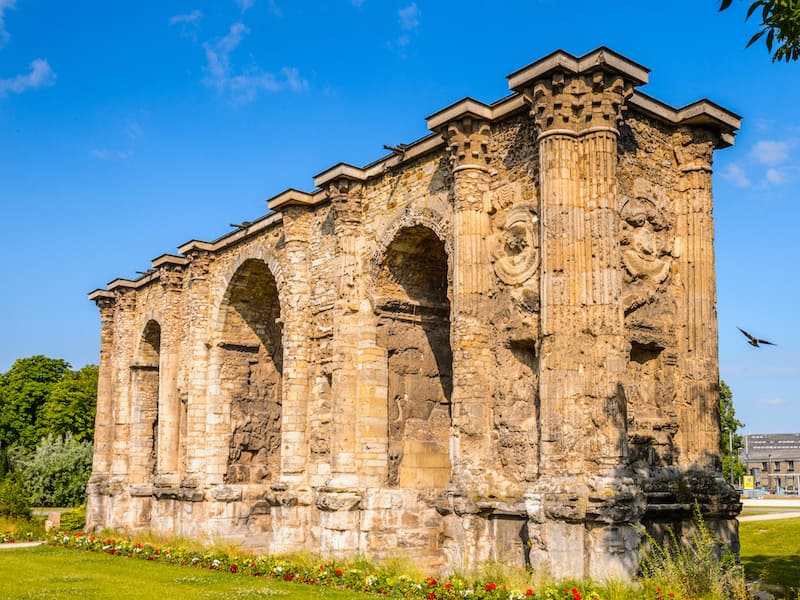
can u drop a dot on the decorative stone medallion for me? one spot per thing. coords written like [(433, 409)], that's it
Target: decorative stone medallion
[(516, 253)]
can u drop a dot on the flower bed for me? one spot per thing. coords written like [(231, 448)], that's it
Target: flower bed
[(356, 576), (11, 537)]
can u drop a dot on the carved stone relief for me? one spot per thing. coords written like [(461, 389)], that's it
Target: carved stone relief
[(516, 251), (646, 250)]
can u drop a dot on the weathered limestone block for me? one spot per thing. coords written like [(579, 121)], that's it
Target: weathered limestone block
[(497, 343)]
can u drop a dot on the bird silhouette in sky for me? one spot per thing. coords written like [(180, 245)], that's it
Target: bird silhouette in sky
[(754, 341)]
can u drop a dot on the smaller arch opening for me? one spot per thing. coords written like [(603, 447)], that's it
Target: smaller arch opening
[(251, 373), (411, 295), (145, 385)]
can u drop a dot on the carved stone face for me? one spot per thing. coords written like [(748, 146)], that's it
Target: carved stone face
[(516, 240), (644, 254), (516, 254)]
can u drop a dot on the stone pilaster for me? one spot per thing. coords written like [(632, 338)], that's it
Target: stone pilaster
[(169, 405), (697, 342), (196, 311), (96, 508), (467, 138), (297, 222), (359, 437), (124, 321)]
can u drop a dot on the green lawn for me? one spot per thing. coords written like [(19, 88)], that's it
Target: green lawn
[(771, 551), (46, 572)]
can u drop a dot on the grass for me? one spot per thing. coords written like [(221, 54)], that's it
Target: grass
[(771, 551), (50, 572)]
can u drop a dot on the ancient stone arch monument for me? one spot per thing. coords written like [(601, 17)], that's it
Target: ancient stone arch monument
[(498, 342)]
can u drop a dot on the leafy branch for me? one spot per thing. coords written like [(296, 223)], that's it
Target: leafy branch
[(780, 26)]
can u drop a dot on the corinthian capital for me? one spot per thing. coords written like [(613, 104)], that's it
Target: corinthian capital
[(578, 102), (345, 196), (468, 140)]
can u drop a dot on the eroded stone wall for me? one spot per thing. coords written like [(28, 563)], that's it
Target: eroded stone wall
[(496, 344)]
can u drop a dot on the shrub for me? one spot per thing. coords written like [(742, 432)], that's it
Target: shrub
[(15, 500), (699, 567), (56, 471), (74, 520)]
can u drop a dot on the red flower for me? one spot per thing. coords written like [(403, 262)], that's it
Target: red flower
[(432, 596), (288, 577), (448, 585), (576, 594), (529, 592), (431, 581), (338, 572), (234, 568), (490, 586)]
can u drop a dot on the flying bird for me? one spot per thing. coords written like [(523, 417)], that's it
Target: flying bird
[(754, 341)]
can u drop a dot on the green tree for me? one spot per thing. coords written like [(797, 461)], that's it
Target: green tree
[(729, 425), (23, 390), (57, 471), (70, 405), (780, 26), (41, 396)]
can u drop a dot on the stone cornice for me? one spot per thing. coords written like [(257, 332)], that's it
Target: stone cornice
[(237, 235), (100, 295), (601, 58), (704, 113), (293, 197), (339, 171), (169, 259), (466, 108)]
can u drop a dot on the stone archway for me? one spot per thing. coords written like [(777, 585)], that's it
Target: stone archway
[(145, 387), (250, 373), (411, 297)]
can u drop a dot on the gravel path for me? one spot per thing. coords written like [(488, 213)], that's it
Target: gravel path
[(770, 517), (20, 545)]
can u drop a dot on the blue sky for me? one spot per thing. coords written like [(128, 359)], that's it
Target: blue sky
[(128, 128)]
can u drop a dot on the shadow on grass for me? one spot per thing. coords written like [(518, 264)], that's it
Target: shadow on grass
[(783, 570)]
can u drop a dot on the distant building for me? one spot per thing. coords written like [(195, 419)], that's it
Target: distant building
[(773, 459)]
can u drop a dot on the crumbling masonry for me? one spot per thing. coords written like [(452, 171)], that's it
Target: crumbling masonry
[(497, 343)]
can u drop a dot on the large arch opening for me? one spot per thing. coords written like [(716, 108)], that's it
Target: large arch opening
[(145, 385), (251, 369), (411, 294)]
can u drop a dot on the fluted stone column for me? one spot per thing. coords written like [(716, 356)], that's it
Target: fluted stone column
[(169, 413), (583, 352), (471, 336), (297, 222), (97, 493), (698, 344)]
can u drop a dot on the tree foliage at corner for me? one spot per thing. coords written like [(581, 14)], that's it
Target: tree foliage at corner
[(729, 425), (41, 396), (780, 26)]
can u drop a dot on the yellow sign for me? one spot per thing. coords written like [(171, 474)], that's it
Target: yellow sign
[(748, 482)]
